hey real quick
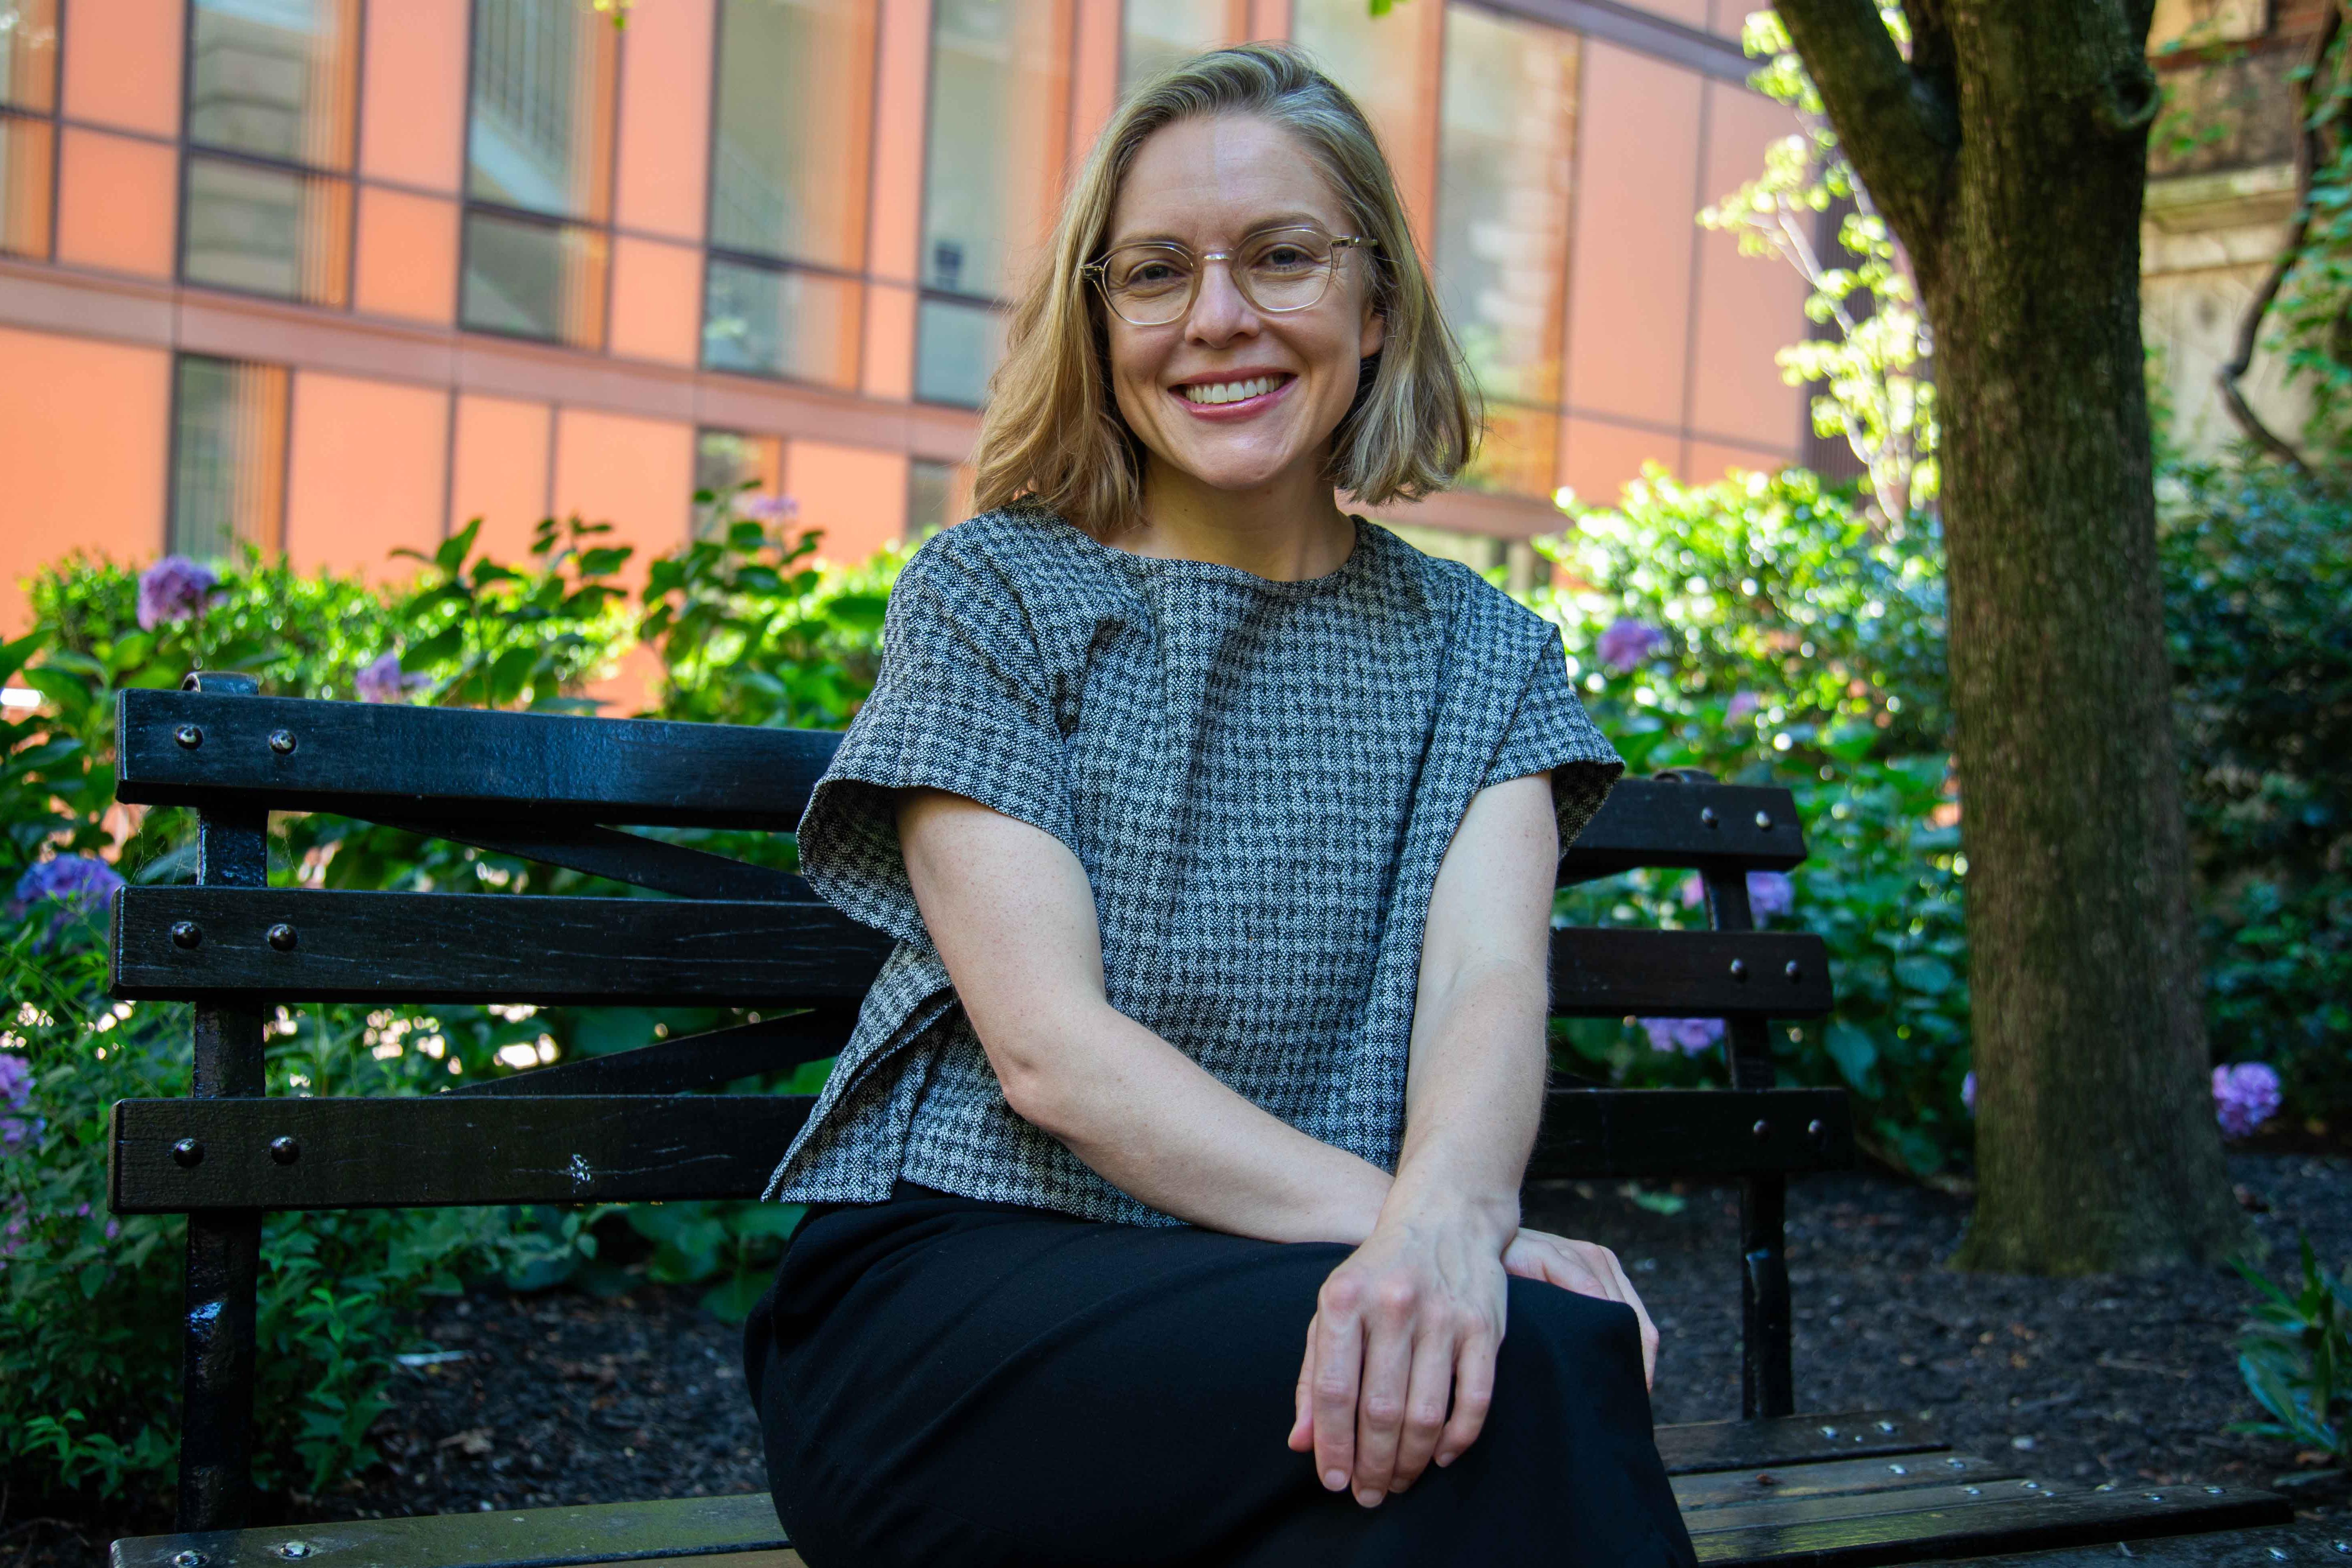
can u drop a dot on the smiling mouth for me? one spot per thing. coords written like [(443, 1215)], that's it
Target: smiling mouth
[(1213, 393)]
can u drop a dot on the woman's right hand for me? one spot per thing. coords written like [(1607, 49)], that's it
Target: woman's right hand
[(1588, 1269), (1409, 1325)]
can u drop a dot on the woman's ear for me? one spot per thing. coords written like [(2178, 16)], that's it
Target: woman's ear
[(1375, 332)]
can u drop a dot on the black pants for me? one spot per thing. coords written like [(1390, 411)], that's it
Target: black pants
[(943, 1381)]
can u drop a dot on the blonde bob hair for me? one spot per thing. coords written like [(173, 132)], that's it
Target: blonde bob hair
[(1052, 435)]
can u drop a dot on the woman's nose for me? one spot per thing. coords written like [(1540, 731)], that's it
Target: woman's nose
[(1219, 311)]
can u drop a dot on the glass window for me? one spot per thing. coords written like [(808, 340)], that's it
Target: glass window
[(28, 54), (1506, 142), (793, 129), (28, 83), (266, 230), (27, 156), (742, 474), (998, 141), (535, 280), (933, 496), (228, 457), (781, 321), (1372, 57), (960, 344), (1156, 34), (538, 154), (276, 79), (271, 115)]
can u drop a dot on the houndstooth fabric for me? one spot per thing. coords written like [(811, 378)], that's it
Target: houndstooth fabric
[(1259, 779)]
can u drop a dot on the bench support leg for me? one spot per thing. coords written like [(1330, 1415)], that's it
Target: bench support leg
[(1766, 1386), (224, 1248)]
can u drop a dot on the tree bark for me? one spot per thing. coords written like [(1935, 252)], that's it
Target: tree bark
[(2009, 152)]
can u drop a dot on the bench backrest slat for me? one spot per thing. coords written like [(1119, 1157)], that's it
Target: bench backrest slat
[(296, 946)]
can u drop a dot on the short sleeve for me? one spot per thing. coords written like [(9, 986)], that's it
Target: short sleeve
[(962, 702), (1549, 731)]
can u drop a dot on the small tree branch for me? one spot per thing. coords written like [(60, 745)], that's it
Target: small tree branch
[(1897, 127), (2250, 325)]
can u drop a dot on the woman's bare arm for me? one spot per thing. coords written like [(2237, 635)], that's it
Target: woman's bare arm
[(1012, 913)]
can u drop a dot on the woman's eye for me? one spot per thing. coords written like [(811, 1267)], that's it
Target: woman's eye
[(1153, 275), (1285, 258)]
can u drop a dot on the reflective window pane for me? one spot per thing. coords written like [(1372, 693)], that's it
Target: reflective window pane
[(998, 139), (542, 131), (228, 457), (535, 280), (28, 54), (277, 79), (958, 346), (1506, 145), (781, 321), (266, 230), (932, 498), (1519, 452), (24, 166), (1157, 34), (743, 474), (1372, 57), (793, 125)]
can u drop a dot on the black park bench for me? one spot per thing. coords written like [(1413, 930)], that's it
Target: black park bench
[(642, 1125)]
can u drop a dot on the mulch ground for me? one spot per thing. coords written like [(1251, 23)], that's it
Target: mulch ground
[(562, 1399)]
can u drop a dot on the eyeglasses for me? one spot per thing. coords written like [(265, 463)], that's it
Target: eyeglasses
[(1277, 270)]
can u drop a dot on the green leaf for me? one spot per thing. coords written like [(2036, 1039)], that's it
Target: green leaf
[(1856, 1053), (1922, 972)]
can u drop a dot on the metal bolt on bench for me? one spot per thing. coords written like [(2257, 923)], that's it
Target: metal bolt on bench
[(642, 1125)]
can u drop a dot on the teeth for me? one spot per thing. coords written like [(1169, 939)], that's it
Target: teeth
[(1231, 391)]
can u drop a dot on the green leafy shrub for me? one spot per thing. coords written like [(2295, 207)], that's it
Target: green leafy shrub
[(2258, 568), (749, 632), (1768, 630), (2296, 1358)]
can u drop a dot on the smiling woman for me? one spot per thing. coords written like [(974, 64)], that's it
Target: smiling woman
[(1164, 1203)]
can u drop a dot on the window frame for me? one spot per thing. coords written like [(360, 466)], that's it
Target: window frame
[(190, 151), (53, 120)]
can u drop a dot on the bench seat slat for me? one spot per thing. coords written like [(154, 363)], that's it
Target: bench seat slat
[(1692, 1447), (1827, 1477), (1836, 1532), (426, 948), (454, 1149), (1826, 1532)]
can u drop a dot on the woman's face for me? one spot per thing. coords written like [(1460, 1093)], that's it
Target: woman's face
[(1209, 184)]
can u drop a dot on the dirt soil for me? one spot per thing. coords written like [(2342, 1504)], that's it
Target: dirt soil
[(564, 1398)]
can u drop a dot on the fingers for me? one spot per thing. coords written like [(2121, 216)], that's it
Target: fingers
[(1339, 1365), (1474, 1392), (1302, 1401), (1434, 1357), (1633, 1298), (1388, 1345)]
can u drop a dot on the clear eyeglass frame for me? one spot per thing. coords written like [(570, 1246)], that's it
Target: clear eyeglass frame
[(1159, 312)]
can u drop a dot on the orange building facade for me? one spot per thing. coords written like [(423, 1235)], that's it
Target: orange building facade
[(333, 276)]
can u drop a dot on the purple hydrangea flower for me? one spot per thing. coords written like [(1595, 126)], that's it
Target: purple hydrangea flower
[(18, 1130), (769, 509), (1742, 704), (383, 681), (1689, 1036), (1627, 642), (2244, 1097), (15, 1080), (79, 885), (1969, 1093), (174, 588), (1769, 893)]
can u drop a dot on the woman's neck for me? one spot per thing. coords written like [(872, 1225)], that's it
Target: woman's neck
[(1288, 531)]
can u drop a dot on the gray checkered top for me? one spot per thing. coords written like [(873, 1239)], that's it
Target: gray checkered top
[(1259, 779)]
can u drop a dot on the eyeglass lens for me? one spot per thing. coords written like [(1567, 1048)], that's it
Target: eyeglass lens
[(1153, 284)]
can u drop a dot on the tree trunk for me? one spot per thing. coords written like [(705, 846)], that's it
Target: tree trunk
[(2010, 153)]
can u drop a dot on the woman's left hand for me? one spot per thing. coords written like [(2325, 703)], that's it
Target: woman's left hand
[(1588, 1269)]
